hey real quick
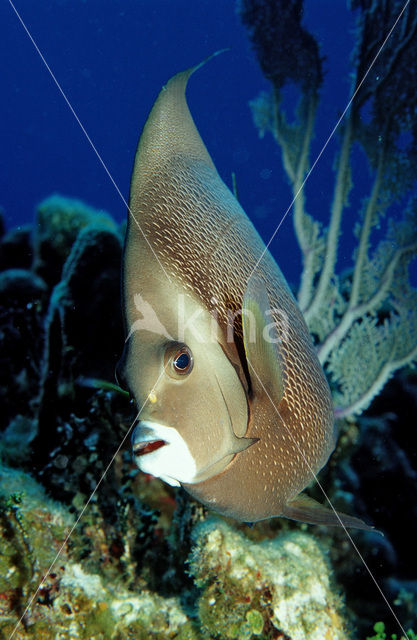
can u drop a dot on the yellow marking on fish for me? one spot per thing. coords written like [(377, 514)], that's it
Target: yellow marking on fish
[(152, 397)]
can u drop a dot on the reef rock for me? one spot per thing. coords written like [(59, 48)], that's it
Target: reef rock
[(279, 588), (59, 220), (46, 594)]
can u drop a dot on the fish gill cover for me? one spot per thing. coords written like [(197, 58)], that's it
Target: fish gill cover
[(145, 561)]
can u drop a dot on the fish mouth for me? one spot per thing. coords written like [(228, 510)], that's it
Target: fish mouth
[(162, 452), (148, 446)]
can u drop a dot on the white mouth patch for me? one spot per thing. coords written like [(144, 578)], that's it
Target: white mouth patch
[(163, 453)]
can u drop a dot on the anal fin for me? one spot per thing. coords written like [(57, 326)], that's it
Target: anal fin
[(305, 509)]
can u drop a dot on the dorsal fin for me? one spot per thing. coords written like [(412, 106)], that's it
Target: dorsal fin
[(170, 129)]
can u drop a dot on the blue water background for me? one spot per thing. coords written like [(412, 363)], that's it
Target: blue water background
[(111, 58)]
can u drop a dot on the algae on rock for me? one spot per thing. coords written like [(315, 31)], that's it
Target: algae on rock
[(61, 599), (246, 590), (264, 588)]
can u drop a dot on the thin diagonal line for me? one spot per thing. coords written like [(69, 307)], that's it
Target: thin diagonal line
[(255, 267), (71, 108), (294, 441), (48, 571), (137, 224), (329, 138)]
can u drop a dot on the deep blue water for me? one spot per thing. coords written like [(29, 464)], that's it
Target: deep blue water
[(111, 57)]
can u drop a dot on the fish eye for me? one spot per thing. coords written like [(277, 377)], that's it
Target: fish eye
[(182, 362), (179, 360)]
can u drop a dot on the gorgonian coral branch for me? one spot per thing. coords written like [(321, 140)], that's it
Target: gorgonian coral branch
[(365, 324)]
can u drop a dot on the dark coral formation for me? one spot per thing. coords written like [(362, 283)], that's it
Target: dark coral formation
[(384, 466), (23, 302), (389, 86), (61, 324), (374, 474), (63, 418), (298, 60)]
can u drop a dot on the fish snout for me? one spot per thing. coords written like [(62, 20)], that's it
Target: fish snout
[(162, 452)]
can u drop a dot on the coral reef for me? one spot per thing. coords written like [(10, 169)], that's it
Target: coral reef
[(66, 600), (59, 339), (279, 588), (23, 300), (59, 221), (50, 583), (63, 418)]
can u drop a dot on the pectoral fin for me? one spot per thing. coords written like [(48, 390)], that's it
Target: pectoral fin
[(261, 341), (305, 509), (240, 444), (237, 445)]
